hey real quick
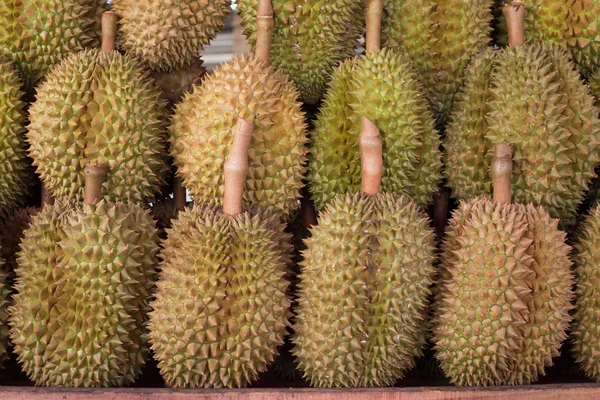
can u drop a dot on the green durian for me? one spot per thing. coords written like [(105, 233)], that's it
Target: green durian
[(37, 34), (202, 132), (221, 308), (310, 39), (411, 155), (531, 97), (168, 35), (99, 107), (363, 293), (85, 277)]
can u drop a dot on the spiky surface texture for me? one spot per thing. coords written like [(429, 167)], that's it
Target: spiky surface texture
[(532, 98), (4, 303), (83, 285), (11, 232), (221, 309), (383, 87), (310, 38), (102, 108), (167, 35), (586, 326), (363, 292), (504, 304), (440, 37), (15, 174), (37, 34), (203, 126)]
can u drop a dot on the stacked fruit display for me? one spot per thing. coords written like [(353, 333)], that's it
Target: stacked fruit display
[(112, 116)]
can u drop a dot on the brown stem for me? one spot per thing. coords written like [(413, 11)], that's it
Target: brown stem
[(179, 193), (373, 17), (264, 30), (514, 13), (109, 31), (236, 168), (371, 157), (501, 172), (94, 177), (47, 197)]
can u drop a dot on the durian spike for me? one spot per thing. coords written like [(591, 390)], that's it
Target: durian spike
[(236, 168), (47, 197), (94, 177), (179, 193), (371, 157), (109, 31), (373, 17), (264, 30), (514, 13), (501, 171)]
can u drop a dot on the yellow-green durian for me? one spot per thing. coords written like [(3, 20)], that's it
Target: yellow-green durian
[(84, 281), (202, 133), (505, 296), (530, 96), (310, 38), (384, 87), (363, 293), (99, 107), (37, 34), (221, 308), (167, 35)]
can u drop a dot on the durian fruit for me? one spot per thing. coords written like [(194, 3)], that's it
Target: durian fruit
[(310, 39), (85, 276), (15, 174), (440, 37), (99, 106), (37, 34), (384, 87), (168, 35), (221, 309), (202, 132), (365, 278), (532, 97)]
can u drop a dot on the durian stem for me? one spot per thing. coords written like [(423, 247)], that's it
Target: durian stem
[(264, 30), (501, 172), (47, 197), (94, 177), (514, 13), (179, 193), (236, 168), (373, 17), (109, 31), (371, 157)]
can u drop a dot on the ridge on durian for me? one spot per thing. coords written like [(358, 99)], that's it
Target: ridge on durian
[(411, 155), (167, 35), (309, 40)]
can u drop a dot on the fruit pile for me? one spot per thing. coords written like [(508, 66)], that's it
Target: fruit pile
[(316, 167)]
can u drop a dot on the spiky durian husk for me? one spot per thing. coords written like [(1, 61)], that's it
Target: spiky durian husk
[(103, 108), (363, 292), (83, 284), (15, 174), (37, 34), (310, 38), (203, 126), (534, 100), (503, 309), (169, 35), (11, 232), (440, 37), (586, 326), (221, 307), (411, 156)]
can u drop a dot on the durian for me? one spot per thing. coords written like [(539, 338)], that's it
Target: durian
[(37, 34), (99, 107), (310, 38), (85, 276)]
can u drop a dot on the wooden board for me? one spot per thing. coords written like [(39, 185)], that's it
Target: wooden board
[(580, 391)]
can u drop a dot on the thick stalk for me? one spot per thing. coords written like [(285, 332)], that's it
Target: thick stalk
[(264, 30), (109, 31), (373, 17), (179, 193), (94, 177), (371, 157), (514, 13), (501, 172), (236, 168)]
